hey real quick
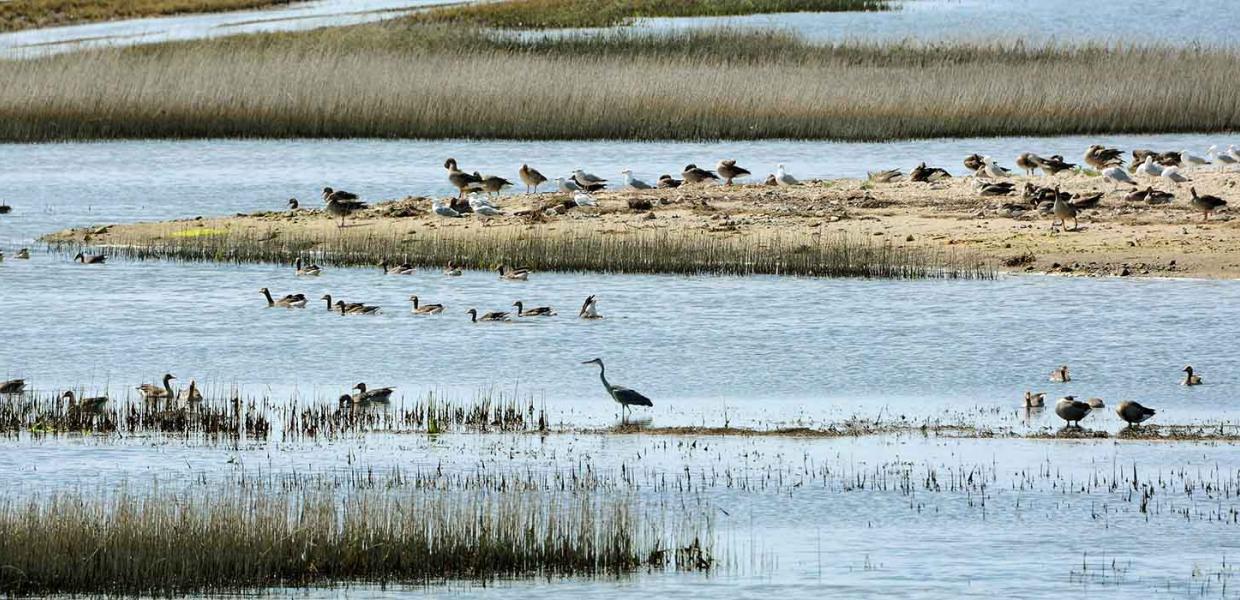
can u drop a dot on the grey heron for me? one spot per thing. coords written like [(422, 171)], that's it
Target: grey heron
[(1133, 413), (625, 396)]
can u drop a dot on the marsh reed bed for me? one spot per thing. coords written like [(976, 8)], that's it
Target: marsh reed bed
[(30, 14), (685, 253), (401, 80), (229, 417), (242, 536), (545, 14)]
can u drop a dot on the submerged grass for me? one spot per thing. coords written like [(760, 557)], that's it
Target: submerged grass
[(31, 14), (685, 253), (540, 14), (251, 535), (413, 80)]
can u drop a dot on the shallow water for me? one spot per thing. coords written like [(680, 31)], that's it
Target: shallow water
[(1137, 22), (298, 16), (906, 515)]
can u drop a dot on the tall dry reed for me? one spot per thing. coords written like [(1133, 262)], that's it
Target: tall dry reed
[(29, 14)]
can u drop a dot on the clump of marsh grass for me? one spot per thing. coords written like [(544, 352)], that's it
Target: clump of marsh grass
[(30, 14), (399, 80), (542, 14), (686, 253), (251, 536)]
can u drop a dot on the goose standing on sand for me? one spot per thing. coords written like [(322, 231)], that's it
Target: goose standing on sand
[(567, 185), (462, 181), (401, 269), (633, 183), (693, 174), (442, 210), (1072, 410), (493, 316), (92, 404), (1117, 175), (589, 308), (341, 203), (90, 259), (293, 205), (923, 174), (973, 162), (494, 184), (1033, 400), (531, 178), (1064, 210), (1190, 378), (1029, 162), (624, 396), (151, 391), (1205, 204), (303, 270), (288, 301), (667, 182), (1060, 375), (537, 311), (1133, 413), (513, 274), (728, 170), (1055, 164), (364, 395), (1101, 157), (1221, 158), (12, 387), (425, 309), (782, 177)]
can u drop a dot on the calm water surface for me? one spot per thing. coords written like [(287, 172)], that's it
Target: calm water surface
[(810, 516)]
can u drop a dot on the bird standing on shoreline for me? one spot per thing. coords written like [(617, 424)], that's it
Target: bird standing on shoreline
[(1133, 413), (1206, 204), (624, 396), (1072, 410), (531, 178), (728, 170)]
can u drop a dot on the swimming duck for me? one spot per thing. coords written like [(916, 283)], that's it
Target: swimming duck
[(12, 386), (356, 309), (728, 170), (537, 311), (334, 306), (94, 404), (1133, 413), (1070, 409), (632, 182), (1060, 375), (589, 308), (288, 301), (452, 270), (23, 254), (90, 259), (491, 316), (782, 177), (364, 395), (667, 182), (401, 269), (513, 274), (1033, 400), (152, 391), (425, 309), (462, 181), (301, 269), (1190, 378), (693, 174), (532, 178), (1205, 204)]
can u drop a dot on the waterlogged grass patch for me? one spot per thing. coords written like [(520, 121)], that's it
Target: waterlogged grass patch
[(198, 233)]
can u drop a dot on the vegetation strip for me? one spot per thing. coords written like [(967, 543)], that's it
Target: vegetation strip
[(402, 80), (31, 14), (544, 14)]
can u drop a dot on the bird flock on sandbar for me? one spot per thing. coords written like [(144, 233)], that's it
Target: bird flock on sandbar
[(1073, 410)]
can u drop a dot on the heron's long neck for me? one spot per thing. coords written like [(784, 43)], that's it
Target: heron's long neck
[(602, 374)]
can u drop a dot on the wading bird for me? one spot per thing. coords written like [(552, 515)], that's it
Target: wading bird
[(532, 178), (625, 396)]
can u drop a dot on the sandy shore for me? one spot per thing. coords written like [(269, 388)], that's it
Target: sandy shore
[(1117, 238)]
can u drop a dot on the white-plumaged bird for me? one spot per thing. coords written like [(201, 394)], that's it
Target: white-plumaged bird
[(1222, 159), (783, 178), (584, 199), (567, 185), (1192, 160), (632, 182), (1149, 168), (993, 169), (442, 210), (1117, 175), (1174, 175)]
